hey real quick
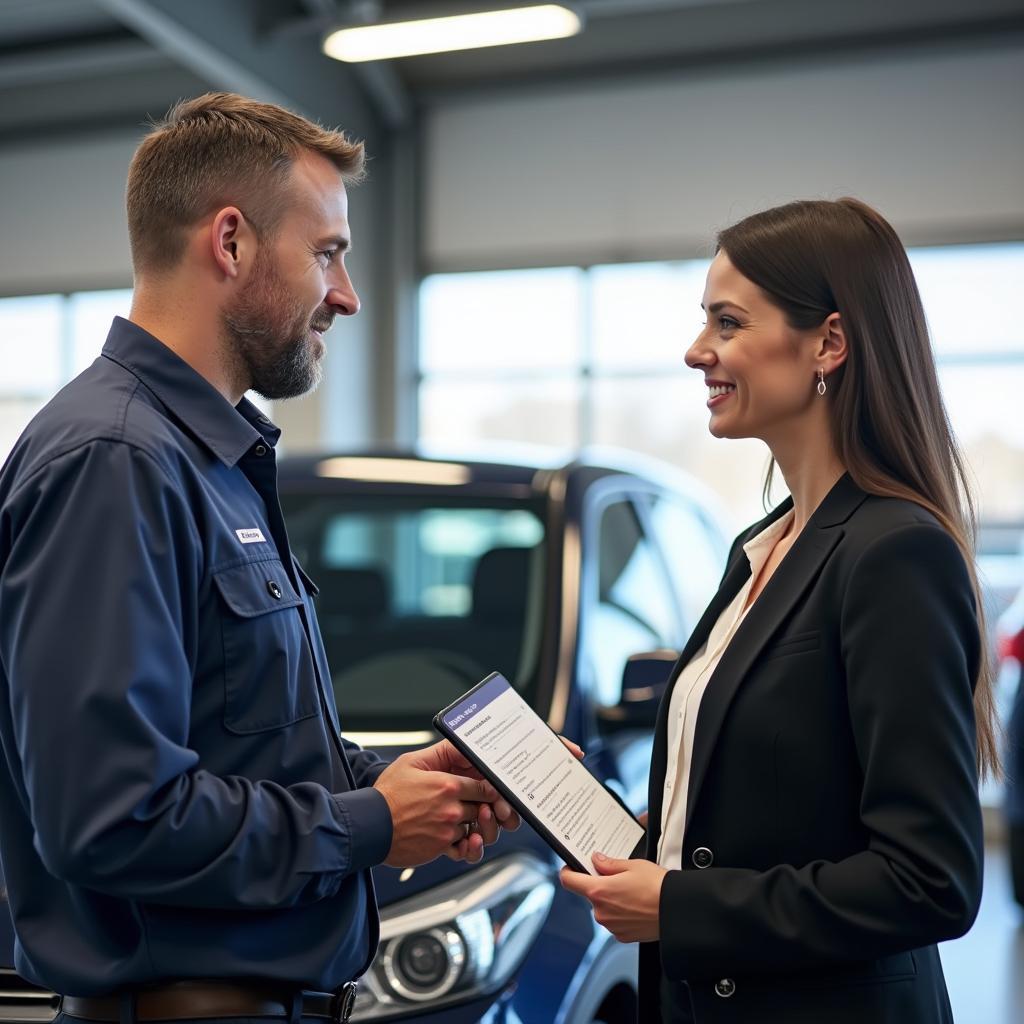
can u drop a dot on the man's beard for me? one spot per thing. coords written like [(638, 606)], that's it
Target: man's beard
[(268, 340)]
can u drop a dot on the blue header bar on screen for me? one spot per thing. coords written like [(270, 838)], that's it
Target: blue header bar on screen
[(465, 710)]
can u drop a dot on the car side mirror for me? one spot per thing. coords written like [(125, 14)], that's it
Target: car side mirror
[(644, 681)]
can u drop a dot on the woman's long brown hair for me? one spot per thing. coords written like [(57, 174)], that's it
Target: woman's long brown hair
[(889, 425)]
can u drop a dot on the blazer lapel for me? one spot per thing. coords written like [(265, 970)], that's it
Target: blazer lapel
[(794, 575), (737, 572)]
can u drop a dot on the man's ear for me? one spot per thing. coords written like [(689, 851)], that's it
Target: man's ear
[(233, 242), (832, 349)]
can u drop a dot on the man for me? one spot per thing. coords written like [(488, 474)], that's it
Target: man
[(176, 801)]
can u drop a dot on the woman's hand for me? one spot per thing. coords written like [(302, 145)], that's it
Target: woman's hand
[(625, 896)]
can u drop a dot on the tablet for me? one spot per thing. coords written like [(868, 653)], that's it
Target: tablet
[(519, 753)]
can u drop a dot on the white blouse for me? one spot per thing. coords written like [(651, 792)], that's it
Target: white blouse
[(687, 694)]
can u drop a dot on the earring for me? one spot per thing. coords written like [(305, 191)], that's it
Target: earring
[(822, 386)]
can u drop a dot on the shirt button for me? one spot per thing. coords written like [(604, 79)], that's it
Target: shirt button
[(702, 857), (260, 449), (274, 589), (725, 988)]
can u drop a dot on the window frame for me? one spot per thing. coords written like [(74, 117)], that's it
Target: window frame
[(614, 489)]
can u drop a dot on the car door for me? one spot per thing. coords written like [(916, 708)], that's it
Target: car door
[(692, 547), (627, 606)]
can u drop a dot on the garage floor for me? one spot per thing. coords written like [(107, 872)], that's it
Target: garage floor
[(985, 969)]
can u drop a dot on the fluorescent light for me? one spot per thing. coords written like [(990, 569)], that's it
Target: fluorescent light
[(395, 471), (460, 32)]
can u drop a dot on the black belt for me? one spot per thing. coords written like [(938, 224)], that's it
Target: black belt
[(194, 1000)]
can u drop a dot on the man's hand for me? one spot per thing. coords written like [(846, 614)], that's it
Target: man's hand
[(490, 819), (433, 794)]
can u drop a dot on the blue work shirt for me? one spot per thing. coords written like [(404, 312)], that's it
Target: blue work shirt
[(176, 800)]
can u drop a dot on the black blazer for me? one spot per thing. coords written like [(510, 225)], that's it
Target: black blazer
[(833, 828)]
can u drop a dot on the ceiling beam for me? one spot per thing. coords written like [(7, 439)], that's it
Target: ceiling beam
[(379, 79), (386, 91), (355, 12), (991, 34), (614, 8), (224, 44), (77, 60)]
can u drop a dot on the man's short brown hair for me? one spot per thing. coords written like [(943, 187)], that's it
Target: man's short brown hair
[(220, 150)]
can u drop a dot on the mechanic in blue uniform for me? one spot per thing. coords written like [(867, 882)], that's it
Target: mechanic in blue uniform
[(184, 831)]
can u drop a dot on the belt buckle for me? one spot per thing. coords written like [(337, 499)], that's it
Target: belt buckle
[(344, 1003)]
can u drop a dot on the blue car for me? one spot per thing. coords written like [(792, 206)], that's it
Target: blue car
[(578, 582)]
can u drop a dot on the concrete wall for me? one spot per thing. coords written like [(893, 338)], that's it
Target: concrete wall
[(63, 228), (649, 170), (605, 172), (62, 222)]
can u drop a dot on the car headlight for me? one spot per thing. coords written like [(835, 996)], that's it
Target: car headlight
[(459, 940)]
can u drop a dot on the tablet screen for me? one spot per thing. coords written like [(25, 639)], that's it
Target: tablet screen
[(517, 750)]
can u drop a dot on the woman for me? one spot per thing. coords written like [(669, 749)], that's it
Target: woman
[(814, 820)]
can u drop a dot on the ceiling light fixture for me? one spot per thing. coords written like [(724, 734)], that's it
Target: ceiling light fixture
[(458, 32)]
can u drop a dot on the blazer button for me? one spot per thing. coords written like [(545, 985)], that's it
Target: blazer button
[(725, 988), (702, 857), (274, 590)]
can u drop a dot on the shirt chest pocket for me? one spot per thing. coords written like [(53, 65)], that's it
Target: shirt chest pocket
[(269, 678)]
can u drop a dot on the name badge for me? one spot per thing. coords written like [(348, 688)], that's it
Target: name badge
[(252, 536)]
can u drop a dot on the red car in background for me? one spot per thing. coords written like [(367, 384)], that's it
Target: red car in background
[(1010, 638)]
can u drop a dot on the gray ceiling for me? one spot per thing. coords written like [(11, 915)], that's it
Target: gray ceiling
[(89, 65)]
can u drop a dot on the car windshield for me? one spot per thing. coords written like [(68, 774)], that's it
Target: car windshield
[(419, 600)]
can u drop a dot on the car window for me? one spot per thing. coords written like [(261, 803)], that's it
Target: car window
[(417, 601), (694, 551), (633, 609), (430, 555)]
